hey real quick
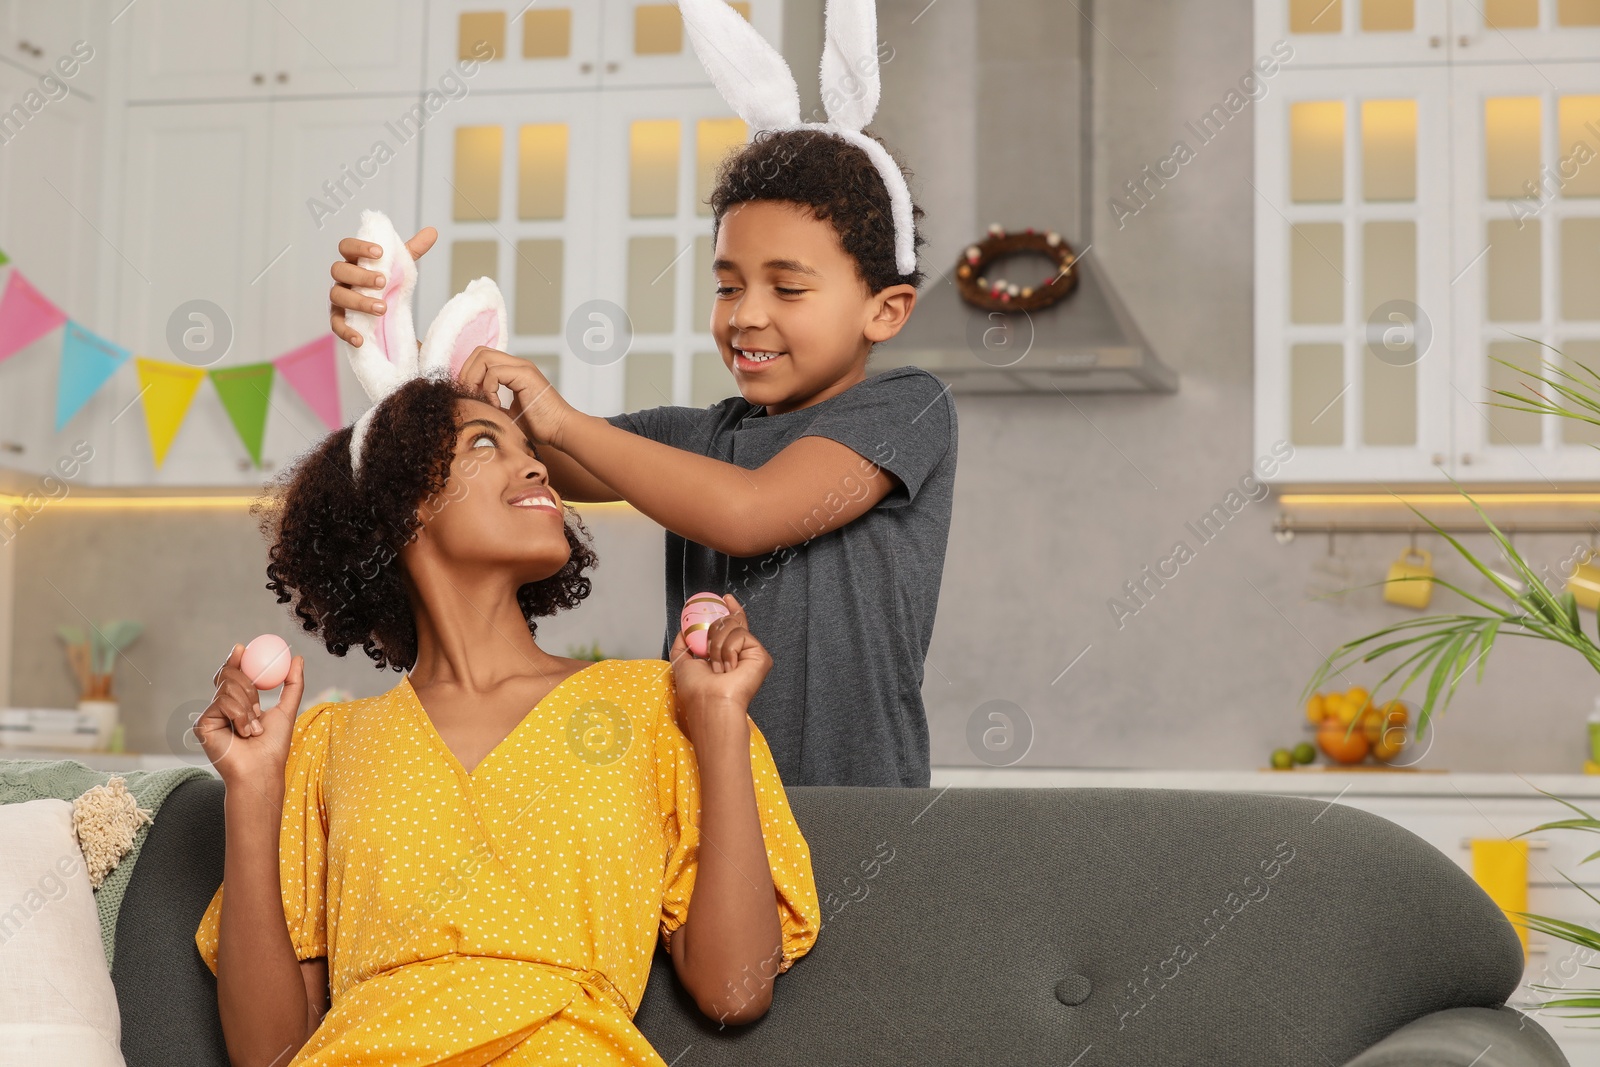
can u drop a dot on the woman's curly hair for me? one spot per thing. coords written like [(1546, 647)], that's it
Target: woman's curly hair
[(836, 180), (336, 539)]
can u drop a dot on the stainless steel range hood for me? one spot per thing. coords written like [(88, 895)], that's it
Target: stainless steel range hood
[(1086, 343), (1031, 168)]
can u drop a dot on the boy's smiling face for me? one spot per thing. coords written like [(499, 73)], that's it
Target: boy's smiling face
[(785, 284)]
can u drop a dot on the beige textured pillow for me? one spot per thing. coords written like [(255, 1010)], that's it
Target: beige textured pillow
[(57, 1004)]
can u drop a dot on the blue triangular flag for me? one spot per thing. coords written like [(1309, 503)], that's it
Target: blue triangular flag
[(87, 360)]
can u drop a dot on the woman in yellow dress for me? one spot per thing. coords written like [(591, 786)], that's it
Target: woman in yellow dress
[(462, 880)]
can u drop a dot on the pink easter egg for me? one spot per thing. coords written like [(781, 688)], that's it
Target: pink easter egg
[(699, 612), (266, 661)]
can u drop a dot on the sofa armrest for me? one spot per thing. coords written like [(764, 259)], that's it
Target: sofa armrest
[(1466, 1037)]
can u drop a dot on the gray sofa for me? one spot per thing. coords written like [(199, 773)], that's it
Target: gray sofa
[(1091, 927)]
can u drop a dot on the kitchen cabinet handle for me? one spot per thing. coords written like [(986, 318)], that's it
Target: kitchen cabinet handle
[(1435, 41), (1438, 459), (283, 76), (611, 67), (585, 67), (1463, 41), (258, 78)]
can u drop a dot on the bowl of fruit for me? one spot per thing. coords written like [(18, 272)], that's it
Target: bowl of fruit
[(1349, 728)]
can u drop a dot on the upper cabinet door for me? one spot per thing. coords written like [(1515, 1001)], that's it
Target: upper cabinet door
[(353, 46), (1527, 267), (519, 45), (255, 49), (198, 49), (1352, 274), (190, 274), (644, 41), (1522, 31), (50, 180), (1355, 32), (53, 38)]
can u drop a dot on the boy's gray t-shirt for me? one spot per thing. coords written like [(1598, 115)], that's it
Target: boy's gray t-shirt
[(848, 613)]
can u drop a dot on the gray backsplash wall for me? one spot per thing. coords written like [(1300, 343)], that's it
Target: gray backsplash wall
[(1059, 500)]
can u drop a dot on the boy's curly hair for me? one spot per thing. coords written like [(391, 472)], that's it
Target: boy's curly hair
[(832, 177), (336, 539)]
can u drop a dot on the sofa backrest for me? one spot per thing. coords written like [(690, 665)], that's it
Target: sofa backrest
[(1001, 926)]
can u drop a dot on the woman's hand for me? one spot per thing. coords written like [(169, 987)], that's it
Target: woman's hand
[(727, 679), (536, 406), (348, 274), (246, 743)]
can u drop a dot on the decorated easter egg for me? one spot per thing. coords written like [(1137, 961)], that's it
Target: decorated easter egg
[(266, 661), (699, 612)]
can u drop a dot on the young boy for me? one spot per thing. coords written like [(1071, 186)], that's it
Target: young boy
[(820, 496)]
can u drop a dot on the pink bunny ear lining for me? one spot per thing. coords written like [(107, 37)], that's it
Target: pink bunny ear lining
[(390, 309), (484, 329)]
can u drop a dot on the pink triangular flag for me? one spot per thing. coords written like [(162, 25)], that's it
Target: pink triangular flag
[(311, 371), (25, 315)]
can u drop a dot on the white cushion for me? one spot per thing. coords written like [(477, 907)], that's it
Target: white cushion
[(57, 1004)]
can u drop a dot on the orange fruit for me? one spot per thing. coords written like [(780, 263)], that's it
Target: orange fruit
[(1358, 694), (1314, 708), (1346, 712), (1372, 723), (1341, 744), (1397, 712), (1388, 746)]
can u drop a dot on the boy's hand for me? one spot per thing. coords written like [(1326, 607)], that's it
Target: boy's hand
[(536, 407), (349, 275)]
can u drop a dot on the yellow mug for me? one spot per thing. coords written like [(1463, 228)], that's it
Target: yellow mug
[(1584, 583), (1414, 564)]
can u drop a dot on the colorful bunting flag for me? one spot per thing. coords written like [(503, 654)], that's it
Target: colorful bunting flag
[(86, 362), (25, 315), (168, 389), (246, 392), (4, 259), (310, 369)]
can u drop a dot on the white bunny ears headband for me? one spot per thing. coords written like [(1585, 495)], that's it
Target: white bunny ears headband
[(755, 81), (388, 356)]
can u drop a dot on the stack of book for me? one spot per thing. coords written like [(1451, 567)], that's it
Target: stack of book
[(48, 728)]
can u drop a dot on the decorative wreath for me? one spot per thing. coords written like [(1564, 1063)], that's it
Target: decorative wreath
[(1001, 295)]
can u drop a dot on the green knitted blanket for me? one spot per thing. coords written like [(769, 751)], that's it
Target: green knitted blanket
[(25, 780)]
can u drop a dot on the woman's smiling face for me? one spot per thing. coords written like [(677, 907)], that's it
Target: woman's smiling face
[(497, 508), (786, 285)]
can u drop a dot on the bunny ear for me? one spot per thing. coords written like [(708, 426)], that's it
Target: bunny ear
[(388, 352), (473, 317), (749, 73), (850, 62)]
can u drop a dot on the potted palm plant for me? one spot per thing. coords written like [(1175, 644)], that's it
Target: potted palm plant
[(1445, 647)]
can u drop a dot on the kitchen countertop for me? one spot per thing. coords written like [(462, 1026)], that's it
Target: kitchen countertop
[(1311, 781)]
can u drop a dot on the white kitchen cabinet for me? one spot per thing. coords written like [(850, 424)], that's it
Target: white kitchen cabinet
[(1408, 226), (35, 37), (588, 190), (1353, 294), (1346, 33), (1525, 31), (49, 194), (528, 46), (1526, 264), (579, 44), (252, 172), (201, 49)]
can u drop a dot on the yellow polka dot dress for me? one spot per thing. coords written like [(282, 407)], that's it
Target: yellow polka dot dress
[(507, 916)]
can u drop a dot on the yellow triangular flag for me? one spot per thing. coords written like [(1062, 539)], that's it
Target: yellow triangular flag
[(168, 389)]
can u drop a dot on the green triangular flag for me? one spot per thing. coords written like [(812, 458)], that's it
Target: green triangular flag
[(4, 259), (246, 392)]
